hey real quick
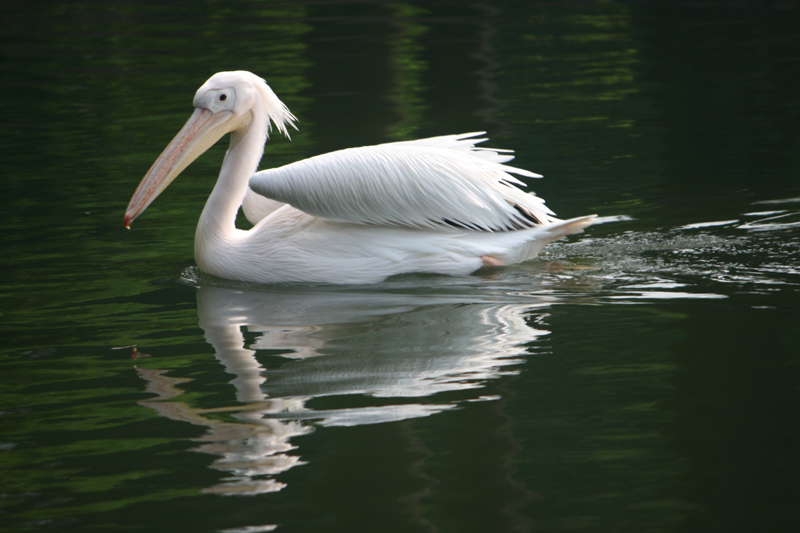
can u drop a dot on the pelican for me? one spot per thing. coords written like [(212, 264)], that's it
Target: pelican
[(359, 215)]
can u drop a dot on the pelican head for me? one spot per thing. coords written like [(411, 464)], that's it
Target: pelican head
[(227, 102)]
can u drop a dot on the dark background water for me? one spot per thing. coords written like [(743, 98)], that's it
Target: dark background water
[(641, 377)]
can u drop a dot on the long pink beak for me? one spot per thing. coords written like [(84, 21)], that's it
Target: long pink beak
[(201, 131)]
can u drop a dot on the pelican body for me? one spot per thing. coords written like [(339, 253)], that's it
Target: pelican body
[(436, 205)]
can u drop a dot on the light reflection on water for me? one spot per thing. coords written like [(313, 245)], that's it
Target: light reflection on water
[(308, 358), (346, 342), (410, 342), (757, 252)]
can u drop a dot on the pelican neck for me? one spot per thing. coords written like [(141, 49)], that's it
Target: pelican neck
[(241, 161)]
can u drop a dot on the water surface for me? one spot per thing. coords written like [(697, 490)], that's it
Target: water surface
[(640, 377)]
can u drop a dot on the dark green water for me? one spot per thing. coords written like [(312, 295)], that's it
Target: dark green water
[(642, 377)]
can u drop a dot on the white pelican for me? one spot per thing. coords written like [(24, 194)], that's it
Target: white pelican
[(437, 205)]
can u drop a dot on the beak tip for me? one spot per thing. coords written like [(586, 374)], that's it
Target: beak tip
[(128, 220)]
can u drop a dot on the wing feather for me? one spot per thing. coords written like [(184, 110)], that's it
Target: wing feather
[(435, 182)]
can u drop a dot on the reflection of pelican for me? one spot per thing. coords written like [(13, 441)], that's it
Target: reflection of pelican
[(253, 449), (433, 205), (378, 343), (401, 347)]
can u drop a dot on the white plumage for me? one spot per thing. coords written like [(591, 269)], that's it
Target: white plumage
[(439, 205), (420, 184)]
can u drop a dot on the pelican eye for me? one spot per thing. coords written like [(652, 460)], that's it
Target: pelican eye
[(223, 97)]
